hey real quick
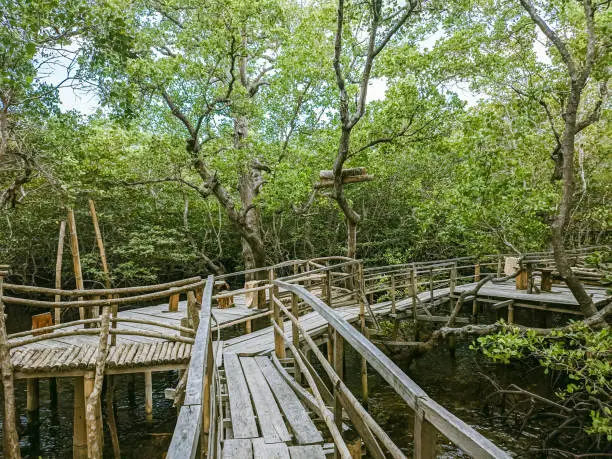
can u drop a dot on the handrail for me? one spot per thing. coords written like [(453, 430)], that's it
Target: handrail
[(195, 424), (425, 408)]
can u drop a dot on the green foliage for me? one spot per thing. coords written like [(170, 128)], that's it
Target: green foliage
[(580, 354)]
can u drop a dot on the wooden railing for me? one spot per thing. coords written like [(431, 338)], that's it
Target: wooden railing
[(89, 302), (196, 426), (430, 417)]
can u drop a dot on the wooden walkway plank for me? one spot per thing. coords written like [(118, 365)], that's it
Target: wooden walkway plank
[(237, 448), (263, 450), (241, 410), (303, 428), (306, 452), (271, 421)]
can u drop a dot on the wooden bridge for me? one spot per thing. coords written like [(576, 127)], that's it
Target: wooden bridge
[(258, 394)]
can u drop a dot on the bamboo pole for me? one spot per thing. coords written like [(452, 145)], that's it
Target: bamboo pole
[(10, 437), (58, 269), (79, 436), (148, 395), (93, 414), (76, 258)]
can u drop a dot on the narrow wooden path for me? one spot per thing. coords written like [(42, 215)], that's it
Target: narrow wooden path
[(266, 418), (262, 341)]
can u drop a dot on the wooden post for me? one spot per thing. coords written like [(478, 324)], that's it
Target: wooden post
[(295, 334), (9, 427), (33, 395), (100, 242), (114, 314), (53, 392), (330, 344), (328, 288), (431, 287), (148, 378), (173, 302), (521, 280), (79, 445), (58, 270), (510, 313), (393, 310), (499, 266), (476, 272), (424, 437), (338, 362), (546, 283), (364, 331), (76, 258), (453, 278), (279, 342), (475, 311)]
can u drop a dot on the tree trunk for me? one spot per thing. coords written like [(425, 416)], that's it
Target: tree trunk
[(562, 219), (9, 427), (249, 184), (351, 241)]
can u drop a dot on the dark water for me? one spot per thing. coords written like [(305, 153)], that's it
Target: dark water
[(454, 383), (51, 437)]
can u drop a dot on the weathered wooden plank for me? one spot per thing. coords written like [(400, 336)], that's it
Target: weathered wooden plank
[(263, 450), (186, 435), (237, 448), (241, 410), (306, 452), (302, 426), (269, 416)]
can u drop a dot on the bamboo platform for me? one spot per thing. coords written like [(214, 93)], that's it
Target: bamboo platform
[(74, 355), (266, 417)]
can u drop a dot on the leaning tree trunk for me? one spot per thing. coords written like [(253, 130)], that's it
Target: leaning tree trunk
[(562, 219)]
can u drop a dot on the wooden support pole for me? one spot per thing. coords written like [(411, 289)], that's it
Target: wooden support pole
[(394, 310), (33, 395), (295, 334), (474, 311), (100, 243), (148, 378), (510, 313), (424, 437), (338, 362), (328, 288), (499, 266), (79, 442), (110, 416), (431, 287), (10, 438), (476, 272), (330, 344), (279, 342), (364, 331), (58, 269), (53, 394), (76, 258)]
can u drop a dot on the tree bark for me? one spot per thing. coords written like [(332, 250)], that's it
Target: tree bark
[(562, 219)]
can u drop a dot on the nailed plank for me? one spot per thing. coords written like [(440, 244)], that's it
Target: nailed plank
[(237, 448), (269, 416), (263, 450), (241, 410), (306, 452), (302, 426)]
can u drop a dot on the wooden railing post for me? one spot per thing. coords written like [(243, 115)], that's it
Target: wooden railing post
[(394, 310), (295, 333), (476, 272), (328, 289), (76, 259), (453, 278), (424, 437), (431, 287), (279, 342), (338, 362)]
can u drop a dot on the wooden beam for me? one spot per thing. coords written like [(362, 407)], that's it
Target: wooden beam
[(345, 180)]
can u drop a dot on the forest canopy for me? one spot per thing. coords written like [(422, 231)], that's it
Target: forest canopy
[(202, 129)]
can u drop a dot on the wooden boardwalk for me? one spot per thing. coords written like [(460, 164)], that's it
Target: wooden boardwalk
[(266, 418)]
